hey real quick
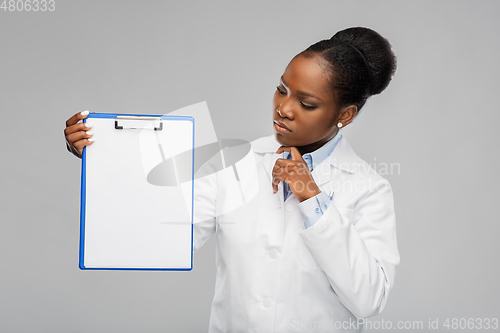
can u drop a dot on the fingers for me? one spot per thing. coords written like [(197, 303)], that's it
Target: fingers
[(276, 180), (82, 143), (291, 166), (282, 149), (281, 174), (74, 138), (296, 154), (293, 151), (76, 128), (74, 151), (277, 175), (78, 141), (77, 117), (78, 134), (283, 162), (290, 171)]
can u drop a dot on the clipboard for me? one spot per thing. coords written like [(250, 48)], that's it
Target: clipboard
[(137, 190)]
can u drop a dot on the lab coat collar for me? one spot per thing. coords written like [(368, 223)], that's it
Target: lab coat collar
[(343, 157)]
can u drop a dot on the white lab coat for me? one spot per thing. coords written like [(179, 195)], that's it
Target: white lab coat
[(273, 275)]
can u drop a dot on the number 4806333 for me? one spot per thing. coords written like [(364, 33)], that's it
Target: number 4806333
[(28, 5)]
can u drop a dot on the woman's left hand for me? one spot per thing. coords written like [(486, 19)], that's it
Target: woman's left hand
[(296, 173)]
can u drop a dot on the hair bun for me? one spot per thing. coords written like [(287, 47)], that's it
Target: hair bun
[(378, 54)]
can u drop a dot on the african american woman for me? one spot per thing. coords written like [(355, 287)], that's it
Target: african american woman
[(316, 249)]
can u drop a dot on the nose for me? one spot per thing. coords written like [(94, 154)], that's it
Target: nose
[(286, 110)]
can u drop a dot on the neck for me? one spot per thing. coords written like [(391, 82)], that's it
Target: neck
[(316, 145)]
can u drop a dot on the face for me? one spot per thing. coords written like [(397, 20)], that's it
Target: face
[(307, 106)]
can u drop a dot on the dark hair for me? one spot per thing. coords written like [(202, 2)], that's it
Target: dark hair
[(360, 61)]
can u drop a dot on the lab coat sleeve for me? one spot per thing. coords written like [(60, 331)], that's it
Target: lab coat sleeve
[(204, 219), (358, 256)]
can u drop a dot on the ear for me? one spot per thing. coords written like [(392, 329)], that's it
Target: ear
[(347, 114)]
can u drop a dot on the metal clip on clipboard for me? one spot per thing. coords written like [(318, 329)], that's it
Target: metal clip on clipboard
[(167, 172), (138, 122)]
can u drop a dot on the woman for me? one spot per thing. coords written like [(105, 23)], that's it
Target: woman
[(316, 248)]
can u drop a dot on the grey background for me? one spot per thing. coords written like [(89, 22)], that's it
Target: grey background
[(437, 120)]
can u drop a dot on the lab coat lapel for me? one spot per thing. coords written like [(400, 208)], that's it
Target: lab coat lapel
[(344, 165)]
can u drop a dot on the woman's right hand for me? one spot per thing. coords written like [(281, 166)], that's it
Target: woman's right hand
[(78, 135)]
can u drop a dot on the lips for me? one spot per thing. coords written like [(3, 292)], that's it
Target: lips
[(281, 125)]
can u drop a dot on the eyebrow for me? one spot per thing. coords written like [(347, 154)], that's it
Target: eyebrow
[(302, 93)]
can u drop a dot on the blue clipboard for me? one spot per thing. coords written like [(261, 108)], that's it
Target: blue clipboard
[(137, 191)]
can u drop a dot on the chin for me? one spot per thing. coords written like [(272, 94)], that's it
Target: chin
[(278, 137), (282, 140)]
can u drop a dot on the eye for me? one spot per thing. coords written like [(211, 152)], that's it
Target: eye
[(281, 92), (308, 107)]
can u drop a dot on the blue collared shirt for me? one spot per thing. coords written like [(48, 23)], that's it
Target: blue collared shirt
[(313, 208)]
